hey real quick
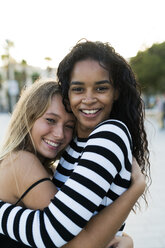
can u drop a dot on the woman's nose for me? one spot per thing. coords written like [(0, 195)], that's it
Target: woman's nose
[(89, 100), (58, 132)]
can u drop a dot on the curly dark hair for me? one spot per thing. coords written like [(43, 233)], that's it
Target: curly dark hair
[(129, 107)]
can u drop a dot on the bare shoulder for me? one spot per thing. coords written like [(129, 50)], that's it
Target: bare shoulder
[(24, 155), (25, 160), (21, 170), (28, 168), (20, 160)]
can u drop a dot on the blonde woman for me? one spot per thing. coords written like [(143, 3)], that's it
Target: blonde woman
[(39, 129)]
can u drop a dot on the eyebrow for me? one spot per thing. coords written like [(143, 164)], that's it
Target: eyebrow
[(52, 114), (97, 83)]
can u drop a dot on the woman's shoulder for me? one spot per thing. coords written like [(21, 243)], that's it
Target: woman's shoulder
[(111, 129), (15, 158), (19, 154), (25, 162), (24, 156), (111, 125), (27, 169)]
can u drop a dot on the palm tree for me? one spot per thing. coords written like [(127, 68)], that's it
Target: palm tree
[(7, 59)]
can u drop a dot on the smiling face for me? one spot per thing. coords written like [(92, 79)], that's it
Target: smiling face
[(91, 95), (53, 130)]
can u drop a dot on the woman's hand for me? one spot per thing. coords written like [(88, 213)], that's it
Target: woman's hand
[(121, 242)]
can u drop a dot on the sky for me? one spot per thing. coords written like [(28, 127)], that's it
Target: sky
[(49, 28)]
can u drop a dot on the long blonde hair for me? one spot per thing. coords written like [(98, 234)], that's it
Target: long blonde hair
[(32, 104)]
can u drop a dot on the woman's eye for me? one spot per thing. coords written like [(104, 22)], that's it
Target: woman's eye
[(77, 89), (70, 126), (103, 88), (52, 121)]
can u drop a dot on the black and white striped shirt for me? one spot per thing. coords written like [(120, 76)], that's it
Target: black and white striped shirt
[(92, 173)]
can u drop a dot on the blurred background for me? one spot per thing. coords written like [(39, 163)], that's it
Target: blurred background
[(36, 35)]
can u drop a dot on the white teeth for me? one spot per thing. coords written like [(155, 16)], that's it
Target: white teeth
[(92, 111), (51, 143)]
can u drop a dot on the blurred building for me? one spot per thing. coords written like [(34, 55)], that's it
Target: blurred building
[(14, 77)]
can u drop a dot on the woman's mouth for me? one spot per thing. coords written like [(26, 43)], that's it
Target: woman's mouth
[(90, 112), (52, 144)]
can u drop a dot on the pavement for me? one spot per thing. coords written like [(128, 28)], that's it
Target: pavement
[(146, 227)]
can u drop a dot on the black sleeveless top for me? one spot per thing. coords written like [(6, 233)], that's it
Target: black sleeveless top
[(5, 241)]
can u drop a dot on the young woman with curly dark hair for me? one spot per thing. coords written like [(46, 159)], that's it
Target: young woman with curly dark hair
[(128, 107)]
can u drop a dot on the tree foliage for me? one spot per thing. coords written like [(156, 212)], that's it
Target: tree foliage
[(149, 68), (35, 76), (20, 77)]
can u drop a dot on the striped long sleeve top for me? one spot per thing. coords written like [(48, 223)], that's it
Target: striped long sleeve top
[(92, 173)]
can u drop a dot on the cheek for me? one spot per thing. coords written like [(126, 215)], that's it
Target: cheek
[(109, 100), (109, 106), (74, 100), (68, 136), (38, 131)]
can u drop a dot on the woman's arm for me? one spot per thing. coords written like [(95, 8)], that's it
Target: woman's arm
[(41, 195), (101, 229), (68, 212)]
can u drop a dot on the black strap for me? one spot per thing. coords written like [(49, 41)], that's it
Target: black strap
[(32, 186)]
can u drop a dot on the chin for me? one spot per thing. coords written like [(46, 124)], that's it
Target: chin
[(52, 156)]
